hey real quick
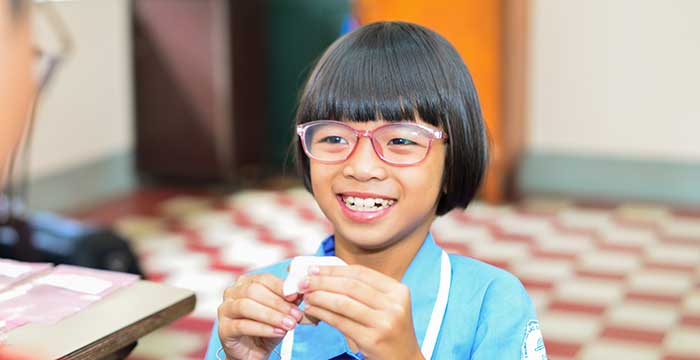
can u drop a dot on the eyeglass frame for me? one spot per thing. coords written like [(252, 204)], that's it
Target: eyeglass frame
[(434, 135), (59, 29), (52, 60)]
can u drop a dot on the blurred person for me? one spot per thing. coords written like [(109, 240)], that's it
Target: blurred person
[(16, 77), (16, 93)]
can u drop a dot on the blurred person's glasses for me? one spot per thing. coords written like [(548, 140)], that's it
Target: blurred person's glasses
[(47, 60), (401, 144)]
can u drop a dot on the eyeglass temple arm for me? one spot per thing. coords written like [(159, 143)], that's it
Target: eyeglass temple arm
[(65, 40), (58, 25)]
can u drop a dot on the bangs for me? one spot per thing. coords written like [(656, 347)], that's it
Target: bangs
[(382, 73)]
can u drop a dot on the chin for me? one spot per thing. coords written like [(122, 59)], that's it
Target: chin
[(365, 237)]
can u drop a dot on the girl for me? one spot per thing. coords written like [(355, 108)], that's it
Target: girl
[(390, 135)]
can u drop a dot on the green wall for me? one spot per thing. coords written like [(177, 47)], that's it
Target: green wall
[(298, 31)]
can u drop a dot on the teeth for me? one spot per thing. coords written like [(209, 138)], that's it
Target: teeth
[(366, 204)]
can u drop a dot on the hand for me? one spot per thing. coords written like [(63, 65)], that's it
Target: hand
[(371, 309), (255, 316)]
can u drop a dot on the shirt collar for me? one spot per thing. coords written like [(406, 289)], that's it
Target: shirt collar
[(422, 278)]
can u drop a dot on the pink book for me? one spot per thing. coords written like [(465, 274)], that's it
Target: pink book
[(14, 272), (52, 296)]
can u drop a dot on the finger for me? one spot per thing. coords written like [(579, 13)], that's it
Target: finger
[(342, 305), (261, 289), (249, 309), (356, 289), (263, 295), (270, 281), (245, 327), (379, 281), (276, 285), (293, 298), (231, 291), (346, 326)]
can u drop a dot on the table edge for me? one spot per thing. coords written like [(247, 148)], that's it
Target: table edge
[(116, 341)]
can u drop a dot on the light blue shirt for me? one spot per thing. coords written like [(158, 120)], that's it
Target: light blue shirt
[(489, 314)]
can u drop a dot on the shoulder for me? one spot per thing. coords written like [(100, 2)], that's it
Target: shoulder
[(505, 319), (496, 287), (496, 279)]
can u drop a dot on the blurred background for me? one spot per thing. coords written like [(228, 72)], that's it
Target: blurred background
[(162, 141)]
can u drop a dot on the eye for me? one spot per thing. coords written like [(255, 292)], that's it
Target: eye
[(333, 140), (401, 141)]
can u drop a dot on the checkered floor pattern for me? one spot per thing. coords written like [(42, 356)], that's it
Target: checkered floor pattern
[(614, 281)]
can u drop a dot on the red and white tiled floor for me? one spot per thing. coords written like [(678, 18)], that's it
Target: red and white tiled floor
[(610, 282)]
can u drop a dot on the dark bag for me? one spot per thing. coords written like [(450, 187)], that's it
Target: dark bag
[(47, 237)]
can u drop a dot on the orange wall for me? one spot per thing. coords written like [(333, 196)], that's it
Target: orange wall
[(474, 27)]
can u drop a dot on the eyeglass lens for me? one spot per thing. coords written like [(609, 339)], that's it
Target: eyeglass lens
[(397, 144)]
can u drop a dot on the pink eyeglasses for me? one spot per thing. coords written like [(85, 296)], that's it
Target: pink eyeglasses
[(401, 144)]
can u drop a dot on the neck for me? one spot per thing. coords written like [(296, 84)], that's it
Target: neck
[(392, 260)]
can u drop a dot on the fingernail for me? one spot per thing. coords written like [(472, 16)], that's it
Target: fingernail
[(296, 313), (279, 332), (314, 270), (288, 323), (304, 284)]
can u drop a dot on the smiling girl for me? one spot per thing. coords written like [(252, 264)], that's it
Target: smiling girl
[(390, 136)]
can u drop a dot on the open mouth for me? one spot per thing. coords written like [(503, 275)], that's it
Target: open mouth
[(366, 204)]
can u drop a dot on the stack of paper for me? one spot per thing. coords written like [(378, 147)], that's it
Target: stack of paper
[(41, 293)]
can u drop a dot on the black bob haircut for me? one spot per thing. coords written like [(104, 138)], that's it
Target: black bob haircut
[(395, 71)]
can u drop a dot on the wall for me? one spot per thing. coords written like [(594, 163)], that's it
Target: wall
[(86, 112), (615, 78), (612, 95), (613, 100)]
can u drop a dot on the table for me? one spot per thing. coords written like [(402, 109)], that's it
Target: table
[(107, 329)]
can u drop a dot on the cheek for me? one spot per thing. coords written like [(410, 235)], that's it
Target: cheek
[(15, 84), (314, 177), (321, 178), (422, 185), (433, 170)]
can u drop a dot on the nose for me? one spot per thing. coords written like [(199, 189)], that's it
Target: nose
[(364, 164)]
